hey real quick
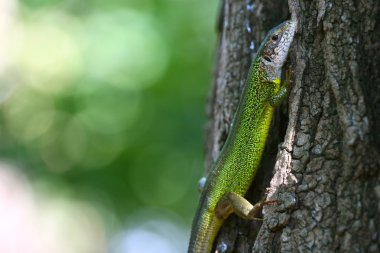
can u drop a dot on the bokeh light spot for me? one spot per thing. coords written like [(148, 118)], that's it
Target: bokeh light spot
[(50, 57), (164, 185), (102, 150), (75, 140), (55, 157), (163, 236), (29, 114), (109, 110), (45, 223), (124, 48)]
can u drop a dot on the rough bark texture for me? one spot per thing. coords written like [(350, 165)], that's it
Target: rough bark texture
[(322, 158)]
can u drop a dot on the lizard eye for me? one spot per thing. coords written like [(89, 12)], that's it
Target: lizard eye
[(275, 37), (267, 58)]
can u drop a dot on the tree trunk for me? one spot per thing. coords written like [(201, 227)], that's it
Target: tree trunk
[(322, 157)]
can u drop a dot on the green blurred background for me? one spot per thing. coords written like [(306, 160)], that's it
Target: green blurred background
[(103, 108)]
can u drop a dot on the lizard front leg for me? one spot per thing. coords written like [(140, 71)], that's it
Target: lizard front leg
[(278, 96)]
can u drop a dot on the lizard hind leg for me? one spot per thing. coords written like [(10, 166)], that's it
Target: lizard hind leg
[(234, 203)]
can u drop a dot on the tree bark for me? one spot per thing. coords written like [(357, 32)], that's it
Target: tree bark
[(322, 157)]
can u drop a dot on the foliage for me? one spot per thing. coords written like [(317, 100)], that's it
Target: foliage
[(105, 100)]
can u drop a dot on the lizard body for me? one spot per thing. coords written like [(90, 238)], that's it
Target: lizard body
[(235, 168)]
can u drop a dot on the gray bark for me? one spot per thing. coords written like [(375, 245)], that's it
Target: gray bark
[(322, 157)]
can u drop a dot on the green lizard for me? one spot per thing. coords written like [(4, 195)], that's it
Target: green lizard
[(234, 170)]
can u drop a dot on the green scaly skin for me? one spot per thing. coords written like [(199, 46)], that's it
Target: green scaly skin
[(240, 157)]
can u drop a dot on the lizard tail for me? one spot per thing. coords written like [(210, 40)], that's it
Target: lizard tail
[(203, 233)]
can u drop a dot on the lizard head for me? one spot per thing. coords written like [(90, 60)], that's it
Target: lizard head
[(276, 44)]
